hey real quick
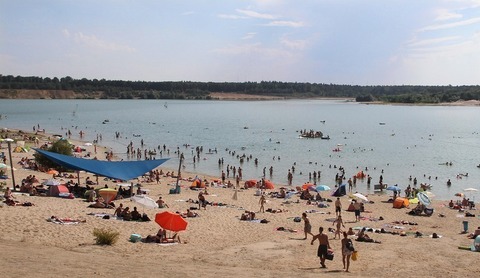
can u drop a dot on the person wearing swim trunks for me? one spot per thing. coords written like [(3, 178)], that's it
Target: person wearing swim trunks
[(338, 207), (323, 247)]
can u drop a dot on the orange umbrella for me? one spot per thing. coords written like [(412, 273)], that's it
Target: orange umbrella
[(52, 172), (269, 185), (307, 186), (171, 221)]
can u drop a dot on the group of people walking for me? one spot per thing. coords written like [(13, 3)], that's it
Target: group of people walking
[(325, 251)]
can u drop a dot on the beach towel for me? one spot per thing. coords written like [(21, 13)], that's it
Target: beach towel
[(64, 221), (283, 229), (167, 243)]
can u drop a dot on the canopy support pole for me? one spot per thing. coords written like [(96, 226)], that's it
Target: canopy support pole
[(179, 168)]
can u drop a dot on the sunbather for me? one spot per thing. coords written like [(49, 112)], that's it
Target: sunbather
[(158, 238), (474, 234), (362, 237), (173, 239)]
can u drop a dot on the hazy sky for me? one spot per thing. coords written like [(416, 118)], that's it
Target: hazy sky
[(364, 42)]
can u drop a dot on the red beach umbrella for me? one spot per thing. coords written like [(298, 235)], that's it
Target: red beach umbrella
[(251, 183), (171, 221), (269, 185)]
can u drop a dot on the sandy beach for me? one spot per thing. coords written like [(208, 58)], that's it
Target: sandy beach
[(218, 244)]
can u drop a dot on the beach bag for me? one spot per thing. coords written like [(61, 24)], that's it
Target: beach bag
[(297, 219), (349, 245), (355, 255), (329, 255)]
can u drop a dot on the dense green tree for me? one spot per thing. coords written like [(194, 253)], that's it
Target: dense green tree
[(61, 146)]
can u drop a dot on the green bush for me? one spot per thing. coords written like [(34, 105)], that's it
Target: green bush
[(105, 237), (62, 147)]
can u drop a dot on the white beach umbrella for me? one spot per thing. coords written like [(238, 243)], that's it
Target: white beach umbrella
[(5, 166), (144, 201), (361, 197)]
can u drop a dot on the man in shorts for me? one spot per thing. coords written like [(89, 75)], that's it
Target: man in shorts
[(323, 247), (357, 206), (338, 207)]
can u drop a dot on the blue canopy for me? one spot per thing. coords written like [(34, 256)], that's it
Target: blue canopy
[(123, 170)]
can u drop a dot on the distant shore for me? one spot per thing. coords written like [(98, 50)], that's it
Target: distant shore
[(69, 94)]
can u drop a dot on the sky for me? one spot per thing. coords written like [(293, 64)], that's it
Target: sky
[(356, 42)]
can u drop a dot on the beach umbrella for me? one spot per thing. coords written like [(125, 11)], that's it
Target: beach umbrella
[(361, 197), (108, 194), (393, 188), (423, 198), (5, 166), (51, 182), (171, 221), (307, 186), (52, 172), (144, 201), (269, 185), (322, 187), (251, 183)]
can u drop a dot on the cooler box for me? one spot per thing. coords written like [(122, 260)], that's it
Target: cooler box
[(135, 237)]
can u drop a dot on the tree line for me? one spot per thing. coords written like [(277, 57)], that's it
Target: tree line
[(119, 89)]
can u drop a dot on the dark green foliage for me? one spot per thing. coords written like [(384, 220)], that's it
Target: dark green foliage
[(62, 147), (118, 89)]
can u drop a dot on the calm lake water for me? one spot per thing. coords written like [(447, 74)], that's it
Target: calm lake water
[(410, 141)]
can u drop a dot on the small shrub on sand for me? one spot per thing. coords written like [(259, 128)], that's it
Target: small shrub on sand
[(105, 237)]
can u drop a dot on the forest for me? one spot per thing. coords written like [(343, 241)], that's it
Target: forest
[(118, 89)]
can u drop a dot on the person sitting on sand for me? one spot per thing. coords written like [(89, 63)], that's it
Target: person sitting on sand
[(126, 214), (474, 234), (161, 203), (173, 239), (363, 237), (248, 215), (158, 238), (100, 203), (118, 210), (8, 194), (350, 232), (191, 213), (135, 214)]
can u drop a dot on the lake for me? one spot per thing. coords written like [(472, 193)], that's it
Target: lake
[(402, 141)]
